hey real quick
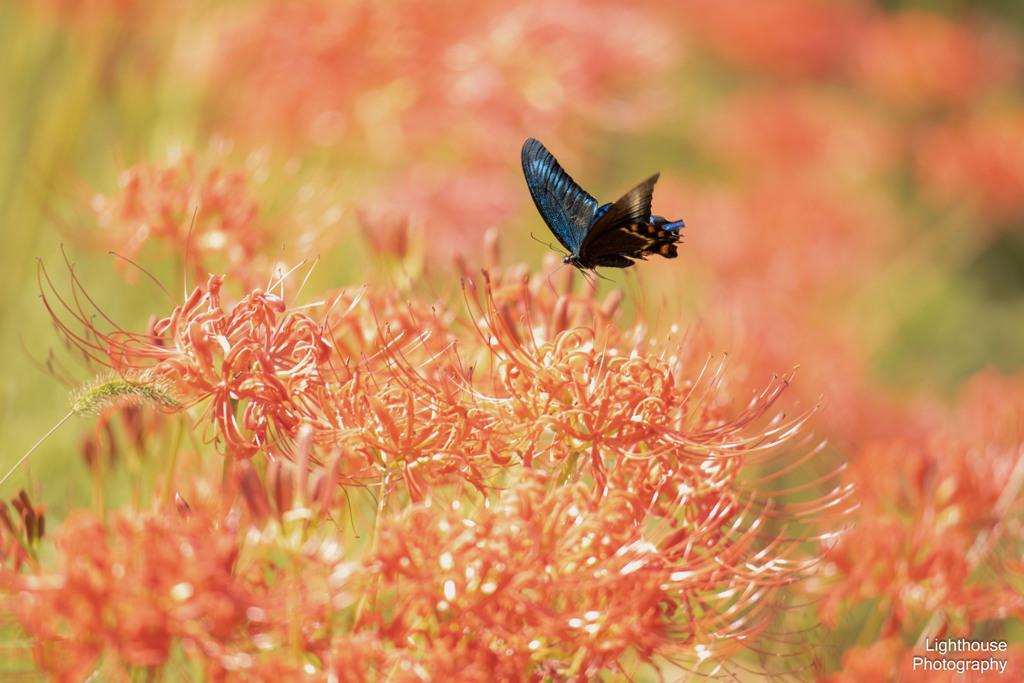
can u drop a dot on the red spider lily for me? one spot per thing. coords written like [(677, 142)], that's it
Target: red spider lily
[(513, 480), (644, 520), (797, 39), (208, 215), (800, 135), (431, 113), (979, 159), (585, 390), (990, 409), (144, 589), (263, 371), (929, 551), (255, 354), (441, 63), (565, 577), (272, 362), (911, 59), (131, 589), (410, 405), (888, 658), (918, 59)]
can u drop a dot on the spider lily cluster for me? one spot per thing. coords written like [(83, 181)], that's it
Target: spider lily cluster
[(513, 485)]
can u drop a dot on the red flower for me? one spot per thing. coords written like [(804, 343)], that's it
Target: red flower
[(791, 38), (928, 553), (562, 577), (132, 587), (428, 100), (920, 59), (979, 160), (208, 217)]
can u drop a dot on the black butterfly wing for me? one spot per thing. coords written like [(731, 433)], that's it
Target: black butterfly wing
[(626, 231), (566, 207)]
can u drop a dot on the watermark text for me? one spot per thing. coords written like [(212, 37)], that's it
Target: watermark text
[(942, 655)]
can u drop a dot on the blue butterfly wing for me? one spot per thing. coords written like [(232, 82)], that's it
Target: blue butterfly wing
[(566, 207)]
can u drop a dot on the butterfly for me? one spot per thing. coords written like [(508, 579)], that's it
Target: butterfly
[(611, 235)]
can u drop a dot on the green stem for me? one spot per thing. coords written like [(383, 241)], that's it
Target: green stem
[(165, 495), (38, 443)]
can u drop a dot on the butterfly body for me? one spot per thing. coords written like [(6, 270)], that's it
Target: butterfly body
[(612, 235)]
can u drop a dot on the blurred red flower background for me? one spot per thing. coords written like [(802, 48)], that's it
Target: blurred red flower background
[(368, 433)]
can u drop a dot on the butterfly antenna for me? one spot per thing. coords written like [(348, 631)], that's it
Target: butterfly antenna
[(549, 245)]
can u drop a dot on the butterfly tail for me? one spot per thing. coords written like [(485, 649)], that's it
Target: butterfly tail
[(663, 236), (665, 224)]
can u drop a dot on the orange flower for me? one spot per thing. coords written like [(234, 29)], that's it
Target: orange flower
[(928, 551), (565, 578), (920, 59), (255, 354), (872, 663), (209, 217), (620, 519), (430, 99), (800, 135), (797, 39), (395, 74), (978, 159), (890, 658), (130, 588)]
